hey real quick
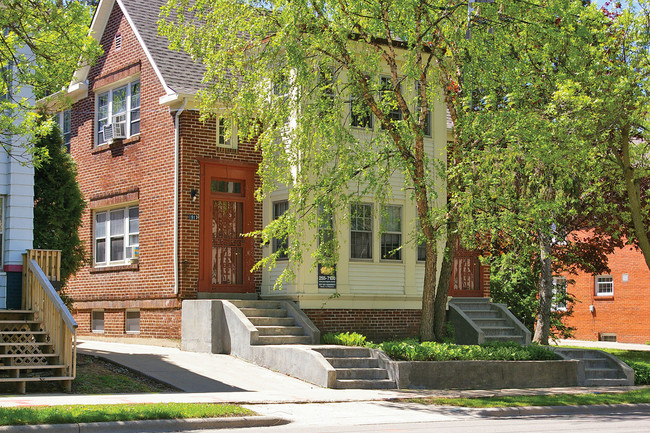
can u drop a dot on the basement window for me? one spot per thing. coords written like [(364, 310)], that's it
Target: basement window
[(97, 321), (132, 322), (607, 336)]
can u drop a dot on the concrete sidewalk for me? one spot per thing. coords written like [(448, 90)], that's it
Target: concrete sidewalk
[(603, 345), (209, 378)]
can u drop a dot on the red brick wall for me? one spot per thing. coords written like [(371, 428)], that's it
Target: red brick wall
[(198, 142), (626, 313), (377, 325)]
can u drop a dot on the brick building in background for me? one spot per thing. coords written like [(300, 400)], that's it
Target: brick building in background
[(615, 306), (169, 196)]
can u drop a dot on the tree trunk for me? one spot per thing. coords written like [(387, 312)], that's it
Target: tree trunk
[(440, 306), (634, 198), (429, 292), (543, 325)]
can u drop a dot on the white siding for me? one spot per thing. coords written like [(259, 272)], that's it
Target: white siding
[(376, 278), (273, 277), (419, 277)]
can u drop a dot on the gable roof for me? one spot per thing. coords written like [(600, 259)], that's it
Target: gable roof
[(177, 72)]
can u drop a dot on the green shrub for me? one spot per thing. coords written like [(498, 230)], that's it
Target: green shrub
[(344, 339), (641, 372)]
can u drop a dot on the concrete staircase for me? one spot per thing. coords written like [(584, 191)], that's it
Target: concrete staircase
[(26, 351), (356, 368), (477, 320), (273, 324), (598, 368)]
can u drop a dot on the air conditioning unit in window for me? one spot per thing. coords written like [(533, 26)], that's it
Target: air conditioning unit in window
[(115, 130)]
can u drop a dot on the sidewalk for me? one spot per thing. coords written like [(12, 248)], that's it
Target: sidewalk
[(209, 378), (603, 345)]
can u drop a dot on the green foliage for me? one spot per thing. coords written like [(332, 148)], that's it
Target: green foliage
[(344, 339), (59, 205), (43, 43), (411, 350), (641, 372)]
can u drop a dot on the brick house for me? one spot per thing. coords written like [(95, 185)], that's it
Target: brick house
[(612, 307), (168, 197)]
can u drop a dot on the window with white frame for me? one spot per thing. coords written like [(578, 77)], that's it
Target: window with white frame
[(387, 96), (132, 322), (2, 228), (97, 321), (604, 285), (119, 106), (391, 236), (360, 114), (117, 234), (226, 134), (559, 293), (64, 120), (427, 118), (280, 244), (361, 231)]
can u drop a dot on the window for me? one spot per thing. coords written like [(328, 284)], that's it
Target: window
[(360, 115), (64, 120), (280, 244), (120, 106), (2, 228), (387, 96), (391, 237), (427, 118), (559, 293), (132, 322), (604, 285), (607, 336), (117, 234), (226, 135), (97, 321), (361, 231)]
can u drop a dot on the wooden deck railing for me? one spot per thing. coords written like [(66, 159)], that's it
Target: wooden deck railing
[(40, 269)]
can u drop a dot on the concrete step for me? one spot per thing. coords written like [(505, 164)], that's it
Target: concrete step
[(474, 305), (597, 363), (483, 314), (516, 338), (498, 331), (490, 321), (361, 373), (353, 362), (272, 321), (606, 382), (284, 339), (601, 373), (279, 330), (343, 352), (365, 384), (248, 303), (582, 354), (264, 312)]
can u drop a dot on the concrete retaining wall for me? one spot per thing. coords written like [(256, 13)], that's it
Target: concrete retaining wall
[(485, 374)]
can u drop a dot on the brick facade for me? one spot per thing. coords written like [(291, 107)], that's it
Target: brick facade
[(624, 314), (377, 325)]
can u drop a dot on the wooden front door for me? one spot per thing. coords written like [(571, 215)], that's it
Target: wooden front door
[(227, 213), (466, 278)]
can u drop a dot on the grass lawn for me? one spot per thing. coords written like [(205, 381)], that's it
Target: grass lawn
[(117, 412), (636, 396)]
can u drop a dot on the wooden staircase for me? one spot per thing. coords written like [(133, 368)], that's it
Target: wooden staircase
[(38, 342), (26, 351)]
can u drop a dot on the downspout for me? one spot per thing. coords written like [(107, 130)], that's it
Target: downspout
[(177, 158)]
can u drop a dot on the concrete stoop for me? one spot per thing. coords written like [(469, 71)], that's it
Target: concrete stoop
[(597, 368), (273, 324), (356, 367), (477, 320)]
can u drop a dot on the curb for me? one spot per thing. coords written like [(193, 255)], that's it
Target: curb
[(593, 409), (155, 425)]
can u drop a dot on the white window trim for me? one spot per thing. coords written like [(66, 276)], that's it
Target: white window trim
[(372, 233), (109, 90), (556, 280), (389, 79), (231, 142), (107, 237), (275, 243), (59, 118), (598, 283), (386, 232)]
